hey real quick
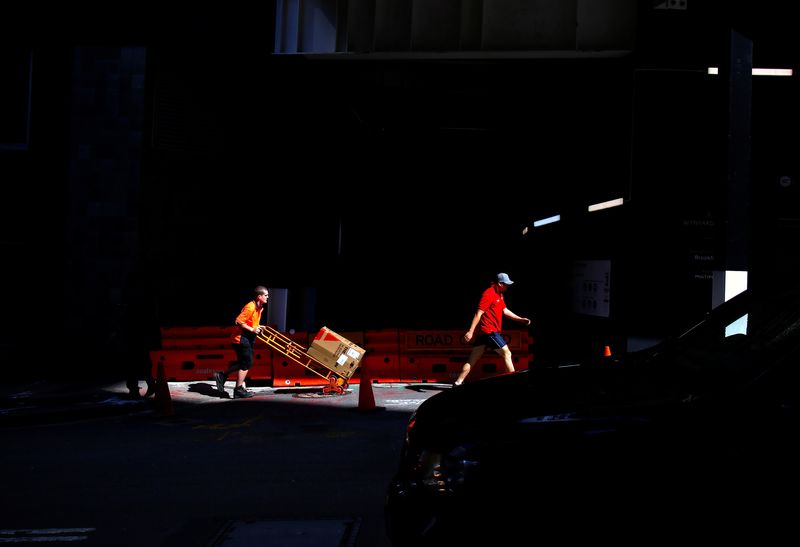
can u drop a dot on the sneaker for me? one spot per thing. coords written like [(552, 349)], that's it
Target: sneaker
[(220, 378), (241, 393)]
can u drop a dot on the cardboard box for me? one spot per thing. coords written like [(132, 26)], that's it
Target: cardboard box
[(336, 352)]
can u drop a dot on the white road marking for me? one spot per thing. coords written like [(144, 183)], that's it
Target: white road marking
[(403, 402), (44, 535)]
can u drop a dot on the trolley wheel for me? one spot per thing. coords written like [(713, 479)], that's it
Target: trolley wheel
[(334, 386)]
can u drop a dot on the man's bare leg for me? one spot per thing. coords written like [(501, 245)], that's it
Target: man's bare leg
[(474, 355)]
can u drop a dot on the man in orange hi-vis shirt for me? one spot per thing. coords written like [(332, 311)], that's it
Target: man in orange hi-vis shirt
[(244, 340)]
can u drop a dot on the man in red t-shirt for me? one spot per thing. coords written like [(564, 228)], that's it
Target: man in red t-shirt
[(488, 319)]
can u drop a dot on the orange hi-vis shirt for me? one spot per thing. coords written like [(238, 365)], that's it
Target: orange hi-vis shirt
[(250, 316)]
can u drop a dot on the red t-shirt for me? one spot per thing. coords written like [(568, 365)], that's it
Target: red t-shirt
[(492, 303)]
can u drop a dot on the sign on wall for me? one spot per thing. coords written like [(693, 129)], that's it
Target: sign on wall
[(591, 290)]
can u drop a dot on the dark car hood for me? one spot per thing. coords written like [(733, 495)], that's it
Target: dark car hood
[(590, 397)]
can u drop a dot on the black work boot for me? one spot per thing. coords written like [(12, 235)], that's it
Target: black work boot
[(220, 378), (239, 392)]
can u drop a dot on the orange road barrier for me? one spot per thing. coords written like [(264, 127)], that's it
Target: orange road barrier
[(331, 359)]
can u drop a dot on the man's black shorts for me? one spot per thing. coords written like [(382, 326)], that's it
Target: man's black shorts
[(244, 353)]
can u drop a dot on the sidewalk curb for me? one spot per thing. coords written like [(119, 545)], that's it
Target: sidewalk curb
[(66, 414)]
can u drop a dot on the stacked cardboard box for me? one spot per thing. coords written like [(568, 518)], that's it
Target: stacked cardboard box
[(335, 352)]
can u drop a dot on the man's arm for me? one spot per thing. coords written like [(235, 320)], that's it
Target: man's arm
[(514, 317), (475, 320)]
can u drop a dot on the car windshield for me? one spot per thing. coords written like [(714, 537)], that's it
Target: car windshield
[(734, 342)]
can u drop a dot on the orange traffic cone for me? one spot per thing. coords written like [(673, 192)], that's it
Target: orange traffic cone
[(366, 399), (607, 351), (163, 399)]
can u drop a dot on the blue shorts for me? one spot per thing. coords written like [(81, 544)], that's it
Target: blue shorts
[(492, 340)]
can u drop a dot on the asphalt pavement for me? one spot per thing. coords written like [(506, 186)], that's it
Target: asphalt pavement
[(54, 401), (291, 466)]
